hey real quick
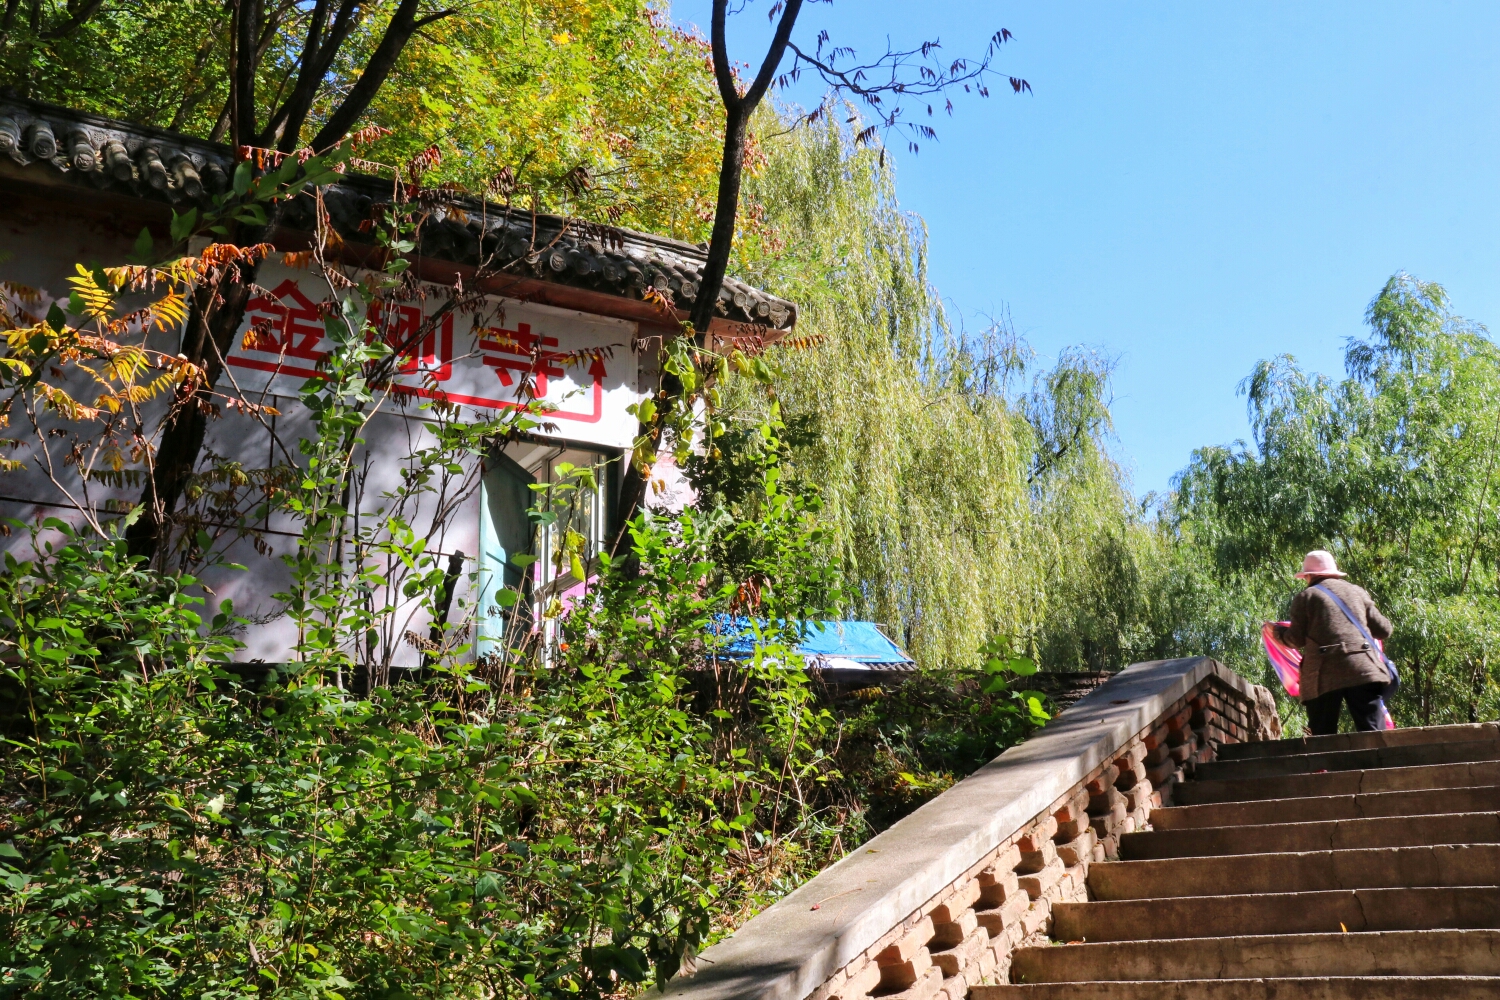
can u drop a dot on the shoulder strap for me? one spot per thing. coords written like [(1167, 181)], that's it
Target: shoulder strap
[(1352, 619)]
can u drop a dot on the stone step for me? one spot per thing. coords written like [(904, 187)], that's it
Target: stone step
[(1312, 871), (1278, 913), (1394, 779), (1418, 755), (1482, 798), (1333, 835), (1275, 956), (1345, 988), (1471, 732)]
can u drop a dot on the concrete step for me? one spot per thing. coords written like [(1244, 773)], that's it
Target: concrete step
[(1385, 988), (1473, 732), (1278, 913), (1418, 755), (1312, 871), (1333, 835), (1483, 798), (1394, 779), (1276, 956)]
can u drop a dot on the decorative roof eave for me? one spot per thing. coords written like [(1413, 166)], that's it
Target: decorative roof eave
[(544, 258)]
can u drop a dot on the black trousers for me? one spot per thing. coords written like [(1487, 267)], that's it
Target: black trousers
[(1364, 709)]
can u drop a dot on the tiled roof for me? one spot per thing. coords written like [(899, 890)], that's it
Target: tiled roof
[(54, 145)]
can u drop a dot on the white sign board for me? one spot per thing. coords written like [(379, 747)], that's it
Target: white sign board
[(477, 359)]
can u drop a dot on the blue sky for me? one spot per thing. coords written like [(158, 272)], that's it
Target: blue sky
[(1195, 186)]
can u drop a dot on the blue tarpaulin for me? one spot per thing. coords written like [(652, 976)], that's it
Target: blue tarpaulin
[(825, 644)]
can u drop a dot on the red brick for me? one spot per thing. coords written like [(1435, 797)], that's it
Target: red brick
[(901, 975), (958, 957), (859, 984), (1006, 860), (961, 900), (1035, 861), (1037, 884), (951, 932), (1105, 801), (1037, 918), (1080, 850), (998, 892), (1105, 779), (995, 919), (908, 945), (1071, 829), (1040, 833), (1076, 805), (1129, 777), (925, 988)]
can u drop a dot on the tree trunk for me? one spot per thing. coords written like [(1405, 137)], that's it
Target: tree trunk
[(726, 212), (210, 337), (634, 483), (208, 342)]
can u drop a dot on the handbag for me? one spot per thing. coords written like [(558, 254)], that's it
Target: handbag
[(1395, 684)]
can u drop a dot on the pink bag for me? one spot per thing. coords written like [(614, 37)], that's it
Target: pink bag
[(1287, 662)]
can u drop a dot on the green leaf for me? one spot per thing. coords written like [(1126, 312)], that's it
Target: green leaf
[(142, 251), (182, 225), (56, 319)]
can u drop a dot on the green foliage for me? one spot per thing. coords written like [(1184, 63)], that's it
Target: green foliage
[(968, 491), (598, 108), (529, 829), (1392, 469)]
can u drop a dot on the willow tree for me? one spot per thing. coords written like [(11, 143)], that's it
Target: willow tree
[(886, 86), (1395, 468), (969, 490)]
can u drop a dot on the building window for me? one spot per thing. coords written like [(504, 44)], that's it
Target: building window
[(519, 551)]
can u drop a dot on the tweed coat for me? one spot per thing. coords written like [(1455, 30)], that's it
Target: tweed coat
[(1334, 654)]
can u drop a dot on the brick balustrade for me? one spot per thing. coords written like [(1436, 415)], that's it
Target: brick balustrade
[(940, 901)]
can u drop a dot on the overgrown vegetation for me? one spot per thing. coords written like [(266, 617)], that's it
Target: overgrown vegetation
[(573, 819), (582, 819)]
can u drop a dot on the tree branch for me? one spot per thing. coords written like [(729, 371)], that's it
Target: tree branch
[(729, 93), (242, 117), (774, 54), (403, 24), (73, 23), (912, 72), (317, 58)]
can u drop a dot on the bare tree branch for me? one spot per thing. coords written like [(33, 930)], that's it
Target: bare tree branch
[(899, 73)]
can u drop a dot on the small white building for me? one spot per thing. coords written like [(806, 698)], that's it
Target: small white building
[(79, 188)]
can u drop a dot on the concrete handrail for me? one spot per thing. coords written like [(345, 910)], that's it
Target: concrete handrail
[(791, 949)]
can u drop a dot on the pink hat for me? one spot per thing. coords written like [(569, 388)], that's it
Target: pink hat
[(1319, 563)]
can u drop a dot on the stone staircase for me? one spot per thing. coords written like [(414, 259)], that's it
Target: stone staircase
[(1363, 866)]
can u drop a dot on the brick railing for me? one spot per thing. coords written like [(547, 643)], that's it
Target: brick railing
[(938, 903)]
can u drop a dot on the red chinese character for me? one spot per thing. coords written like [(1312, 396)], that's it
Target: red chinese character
[(513, 351), (400, 326), (294, 319)]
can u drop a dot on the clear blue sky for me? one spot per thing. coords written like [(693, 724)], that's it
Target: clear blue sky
[(1195, 186)]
